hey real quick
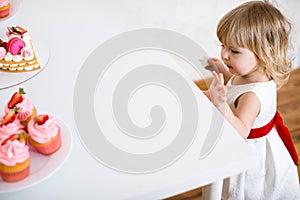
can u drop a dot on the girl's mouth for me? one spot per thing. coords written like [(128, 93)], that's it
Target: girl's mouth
[(229, 67)]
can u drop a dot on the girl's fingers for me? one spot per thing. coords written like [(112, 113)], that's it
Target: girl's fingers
[(221, 79), (209, 68), (213, 82), (217, 90), (216, 77)]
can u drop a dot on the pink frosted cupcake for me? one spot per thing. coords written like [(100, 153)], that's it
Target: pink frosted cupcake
[(9, 124), (14, 158), (26, 111), (44, 134)]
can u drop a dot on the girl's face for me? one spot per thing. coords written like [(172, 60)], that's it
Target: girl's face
[(240, 61)]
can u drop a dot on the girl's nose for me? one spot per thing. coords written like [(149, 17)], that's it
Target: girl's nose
[(224, 54)]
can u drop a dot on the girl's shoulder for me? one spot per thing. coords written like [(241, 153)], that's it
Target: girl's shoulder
[(266, 93), (255, 87)]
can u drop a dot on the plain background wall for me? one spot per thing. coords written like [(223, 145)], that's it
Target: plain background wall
[(198, 19)]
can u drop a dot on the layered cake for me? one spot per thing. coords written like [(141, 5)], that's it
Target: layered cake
[(18, 54)]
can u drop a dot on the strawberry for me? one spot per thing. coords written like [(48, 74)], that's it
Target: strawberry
[(4, 44), (10, 116), (16, 98), (18, 30), (21, 137), (10, 138), (41, 119), (21, 30)]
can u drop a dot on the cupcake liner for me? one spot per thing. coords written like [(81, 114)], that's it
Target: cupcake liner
[(48, 148), (15, 173)]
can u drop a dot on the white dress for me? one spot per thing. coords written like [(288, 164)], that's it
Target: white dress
[(276, 176)]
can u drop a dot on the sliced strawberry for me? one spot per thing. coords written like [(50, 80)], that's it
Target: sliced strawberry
[(16, 98), (21, 30), (17, 30), (21, 137), (10, 116), (1, 42), (10, 138), (41, 119), (4, 44)]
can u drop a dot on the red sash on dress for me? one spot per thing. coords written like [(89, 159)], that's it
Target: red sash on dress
[(283, 133)]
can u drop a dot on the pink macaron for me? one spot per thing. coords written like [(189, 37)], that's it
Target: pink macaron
[(15, 45)]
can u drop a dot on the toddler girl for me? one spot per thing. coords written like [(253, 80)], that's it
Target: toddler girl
[(255, 39)]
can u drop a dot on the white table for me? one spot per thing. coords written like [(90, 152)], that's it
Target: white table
[(72, 30)]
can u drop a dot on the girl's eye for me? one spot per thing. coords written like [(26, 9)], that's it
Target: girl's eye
[(235, 52)]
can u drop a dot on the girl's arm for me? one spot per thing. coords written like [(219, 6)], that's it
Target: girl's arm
[(216, 65), (247, 108)]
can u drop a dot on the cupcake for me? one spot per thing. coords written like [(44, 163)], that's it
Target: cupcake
[(9, 124), (4, 8), (26, 111), (14, 158), (44, 134)]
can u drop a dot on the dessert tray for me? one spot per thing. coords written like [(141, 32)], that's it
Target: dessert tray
[(41, 166), (15, 6), (10, 79)]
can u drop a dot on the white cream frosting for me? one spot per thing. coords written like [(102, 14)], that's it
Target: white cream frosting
[(17, 58), (8, 57)]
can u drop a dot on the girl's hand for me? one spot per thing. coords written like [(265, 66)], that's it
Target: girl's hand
[(217, 90), (216, 65)]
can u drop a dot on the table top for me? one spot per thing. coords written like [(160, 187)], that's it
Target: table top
[(72, 33)]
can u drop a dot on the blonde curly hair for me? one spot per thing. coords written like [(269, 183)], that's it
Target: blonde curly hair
[(261, 28)]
